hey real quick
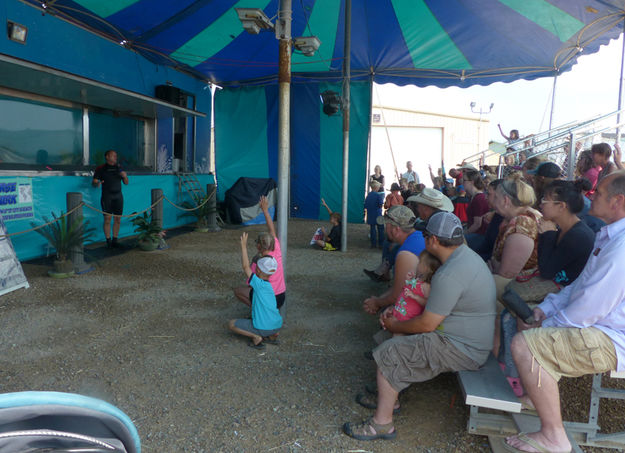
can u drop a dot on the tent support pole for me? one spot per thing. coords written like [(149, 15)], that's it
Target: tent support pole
[(553, 100), (346, 112), (284, 127), (620, 89)]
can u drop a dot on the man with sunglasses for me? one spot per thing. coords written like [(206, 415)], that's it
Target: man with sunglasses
[(399, 223), (455, 331)]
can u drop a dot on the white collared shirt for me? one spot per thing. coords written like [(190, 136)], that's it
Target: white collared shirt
[(597, 297), (411, 176)]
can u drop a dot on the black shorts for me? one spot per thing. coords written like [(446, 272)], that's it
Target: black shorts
[(279, 298), (112, 203)]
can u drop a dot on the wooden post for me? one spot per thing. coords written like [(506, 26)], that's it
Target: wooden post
[(157, 210), (211, 191), (77, 255)]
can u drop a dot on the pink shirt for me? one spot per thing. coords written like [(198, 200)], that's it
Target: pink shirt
[(592, 174), (277, 279), (408, 308)]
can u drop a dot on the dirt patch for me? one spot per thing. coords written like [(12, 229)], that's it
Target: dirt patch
[(146, 332)]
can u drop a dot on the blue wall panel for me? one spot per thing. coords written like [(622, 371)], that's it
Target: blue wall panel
[(306, 162), (271, 96), (246, 144), (49, 195), (240, 136)]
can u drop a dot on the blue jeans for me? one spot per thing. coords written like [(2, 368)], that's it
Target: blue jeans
[(380, 234), (389, 252)]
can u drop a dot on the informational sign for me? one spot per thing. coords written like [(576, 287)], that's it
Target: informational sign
[(16, 199), (11, 273)]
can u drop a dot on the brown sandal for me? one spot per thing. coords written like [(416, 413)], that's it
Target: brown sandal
[(370, 430)]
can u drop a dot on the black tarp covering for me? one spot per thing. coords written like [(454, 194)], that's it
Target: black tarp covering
[(241, 200)]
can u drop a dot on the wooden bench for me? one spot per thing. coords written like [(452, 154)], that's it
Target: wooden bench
[(495, 411), (488, 388)]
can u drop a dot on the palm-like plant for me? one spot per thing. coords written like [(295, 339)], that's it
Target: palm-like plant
[(63, 236), (147, 230), (200, 211)]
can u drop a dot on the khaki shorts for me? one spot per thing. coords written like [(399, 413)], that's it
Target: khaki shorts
[(417, 358), (571, 352)]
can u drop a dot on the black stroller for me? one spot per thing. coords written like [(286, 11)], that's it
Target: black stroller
[(64, 422)]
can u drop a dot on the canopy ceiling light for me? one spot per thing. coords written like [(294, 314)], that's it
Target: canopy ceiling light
[(308, 45), (253, 20), (332, 102), (16, 32)]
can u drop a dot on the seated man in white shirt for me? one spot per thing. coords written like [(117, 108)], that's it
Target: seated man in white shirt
[(410, 175), (580, 330)]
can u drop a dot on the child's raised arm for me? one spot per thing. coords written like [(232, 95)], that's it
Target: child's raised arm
[(323, 202), (245, 262), (264, 206)]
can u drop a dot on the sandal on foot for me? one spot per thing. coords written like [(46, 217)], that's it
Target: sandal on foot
[(523, 437), (370, 430), (270, 340), (260, 345), (370, 402), (372, 388)]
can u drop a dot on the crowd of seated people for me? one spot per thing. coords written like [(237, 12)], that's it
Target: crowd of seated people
[(535, 234)]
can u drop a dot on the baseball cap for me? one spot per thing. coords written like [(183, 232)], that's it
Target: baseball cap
[(433, 198), (267, 264), (444, 225), (547, 169), (398, 215)]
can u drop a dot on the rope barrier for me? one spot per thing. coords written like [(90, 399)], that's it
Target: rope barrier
[(190, 209), (2, 236), (135, 214), (121, 216)]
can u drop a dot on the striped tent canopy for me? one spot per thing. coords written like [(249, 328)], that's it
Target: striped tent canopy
[(421, 42)]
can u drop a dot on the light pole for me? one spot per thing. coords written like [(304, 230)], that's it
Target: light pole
[(481, 111), (254, 20)]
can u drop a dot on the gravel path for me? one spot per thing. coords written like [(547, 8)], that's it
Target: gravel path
[(146, 332)]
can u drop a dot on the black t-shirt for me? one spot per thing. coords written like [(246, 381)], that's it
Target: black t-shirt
[(110, 177), (334, 237), (564, 261)]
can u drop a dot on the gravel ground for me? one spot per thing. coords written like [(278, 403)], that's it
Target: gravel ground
[(146, 331)]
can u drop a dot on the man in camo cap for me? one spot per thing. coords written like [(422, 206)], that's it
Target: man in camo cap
[(399, 225), (454, 332)]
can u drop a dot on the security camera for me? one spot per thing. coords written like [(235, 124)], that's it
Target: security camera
[(253, 20), (308, 45)]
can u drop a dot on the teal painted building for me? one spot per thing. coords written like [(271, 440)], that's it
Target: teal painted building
[(66, 96)]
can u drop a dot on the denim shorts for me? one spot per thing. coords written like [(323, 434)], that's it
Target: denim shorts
[(246, 324)]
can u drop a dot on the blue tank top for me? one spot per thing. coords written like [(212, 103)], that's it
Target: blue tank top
[(415, 243)]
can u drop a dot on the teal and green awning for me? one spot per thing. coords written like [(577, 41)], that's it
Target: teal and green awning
[(423, 42)]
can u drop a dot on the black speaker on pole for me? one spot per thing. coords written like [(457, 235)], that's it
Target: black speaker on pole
[(171, 94)]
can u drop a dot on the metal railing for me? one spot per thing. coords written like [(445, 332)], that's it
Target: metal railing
[(560, 144)]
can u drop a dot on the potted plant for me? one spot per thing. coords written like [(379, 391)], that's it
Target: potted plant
[(200, 211), (64, 238), (149, 234)]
